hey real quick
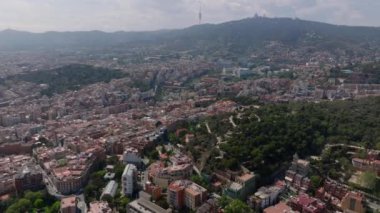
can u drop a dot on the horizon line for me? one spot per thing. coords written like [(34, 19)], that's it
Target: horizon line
[(178, 28)]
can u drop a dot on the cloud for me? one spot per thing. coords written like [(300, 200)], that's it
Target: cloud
[(112, 15), (337, 11)]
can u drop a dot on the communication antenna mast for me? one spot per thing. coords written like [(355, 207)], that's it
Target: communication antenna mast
[(200, 12)]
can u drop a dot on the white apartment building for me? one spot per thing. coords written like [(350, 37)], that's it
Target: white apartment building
[(132, 156), (128, 179)]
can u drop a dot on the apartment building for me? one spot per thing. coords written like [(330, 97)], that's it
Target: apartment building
[(128, 179), (184, 193)]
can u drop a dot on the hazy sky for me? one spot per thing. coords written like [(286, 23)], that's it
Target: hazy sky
[(113, 15)]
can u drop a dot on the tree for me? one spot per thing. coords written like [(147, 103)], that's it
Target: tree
[(54, 208), (121, 204), (112, 160), (90, 191), (199, 180), (109, 199), (97, 180), (123, 201), (362, 154), (173, 138), (224, 201), (119, 169), (163, 149), (6, 203), (230, 163), (237, 206), (303, 128), (39, 203), (378, 144), (12, 209), (316, 182), (163, 203), (22, 205), (368, 180), (33, 196), (154, 155)]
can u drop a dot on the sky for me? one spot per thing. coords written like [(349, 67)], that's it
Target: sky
[(141, 15)]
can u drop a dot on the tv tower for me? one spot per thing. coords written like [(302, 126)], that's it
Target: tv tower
[(200, 12)]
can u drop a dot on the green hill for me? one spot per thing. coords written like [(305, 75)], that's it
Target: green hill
[(303, 128), (71, 77)]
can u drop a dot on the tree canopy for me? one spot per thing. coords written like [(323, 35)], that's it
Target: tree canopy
[(71, 77), (237, 206), (303, 128)]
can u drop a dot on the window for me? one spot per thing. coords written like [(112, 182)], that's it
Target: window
[(352, 204)]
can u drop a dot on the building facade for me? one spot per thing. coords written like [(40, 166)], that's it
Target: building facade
[(109, 190), (242, 187), (132, 156), (184, 193), (99, 207), (128, 179), (29, 178), (353, 202), (69, 205)]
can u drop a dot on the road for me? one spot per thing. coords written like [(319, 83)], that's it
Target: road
[(208, 128), (372, 201), (52, 190), (232, 121), (197, 170), (373, 205), (343, 145), (258, 118), (82, 203)]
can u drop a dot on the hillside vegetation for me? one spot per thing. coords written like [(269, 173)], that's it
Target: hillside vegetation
[(303, 128), (71, 77), (237, 36)]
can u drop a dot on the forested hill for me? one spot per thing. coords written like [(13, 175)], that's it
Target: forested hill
[(70, 77), (252, 33), (303, 128), (238, 35)]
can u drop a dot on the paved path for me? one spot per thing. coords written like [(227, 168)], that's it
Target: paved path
[(232, 121), (196, 170), (208, 128), (344, 145), (82, 203), (373, 205), (52, 190), (258, 118)]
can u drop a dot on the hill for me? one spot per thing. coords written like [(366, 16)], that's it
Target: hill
[(238, 35), (71, 77), (302, 128)]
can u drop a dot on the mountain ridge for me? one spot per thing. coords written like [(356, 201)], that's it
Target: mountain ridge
[(244, 33)]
